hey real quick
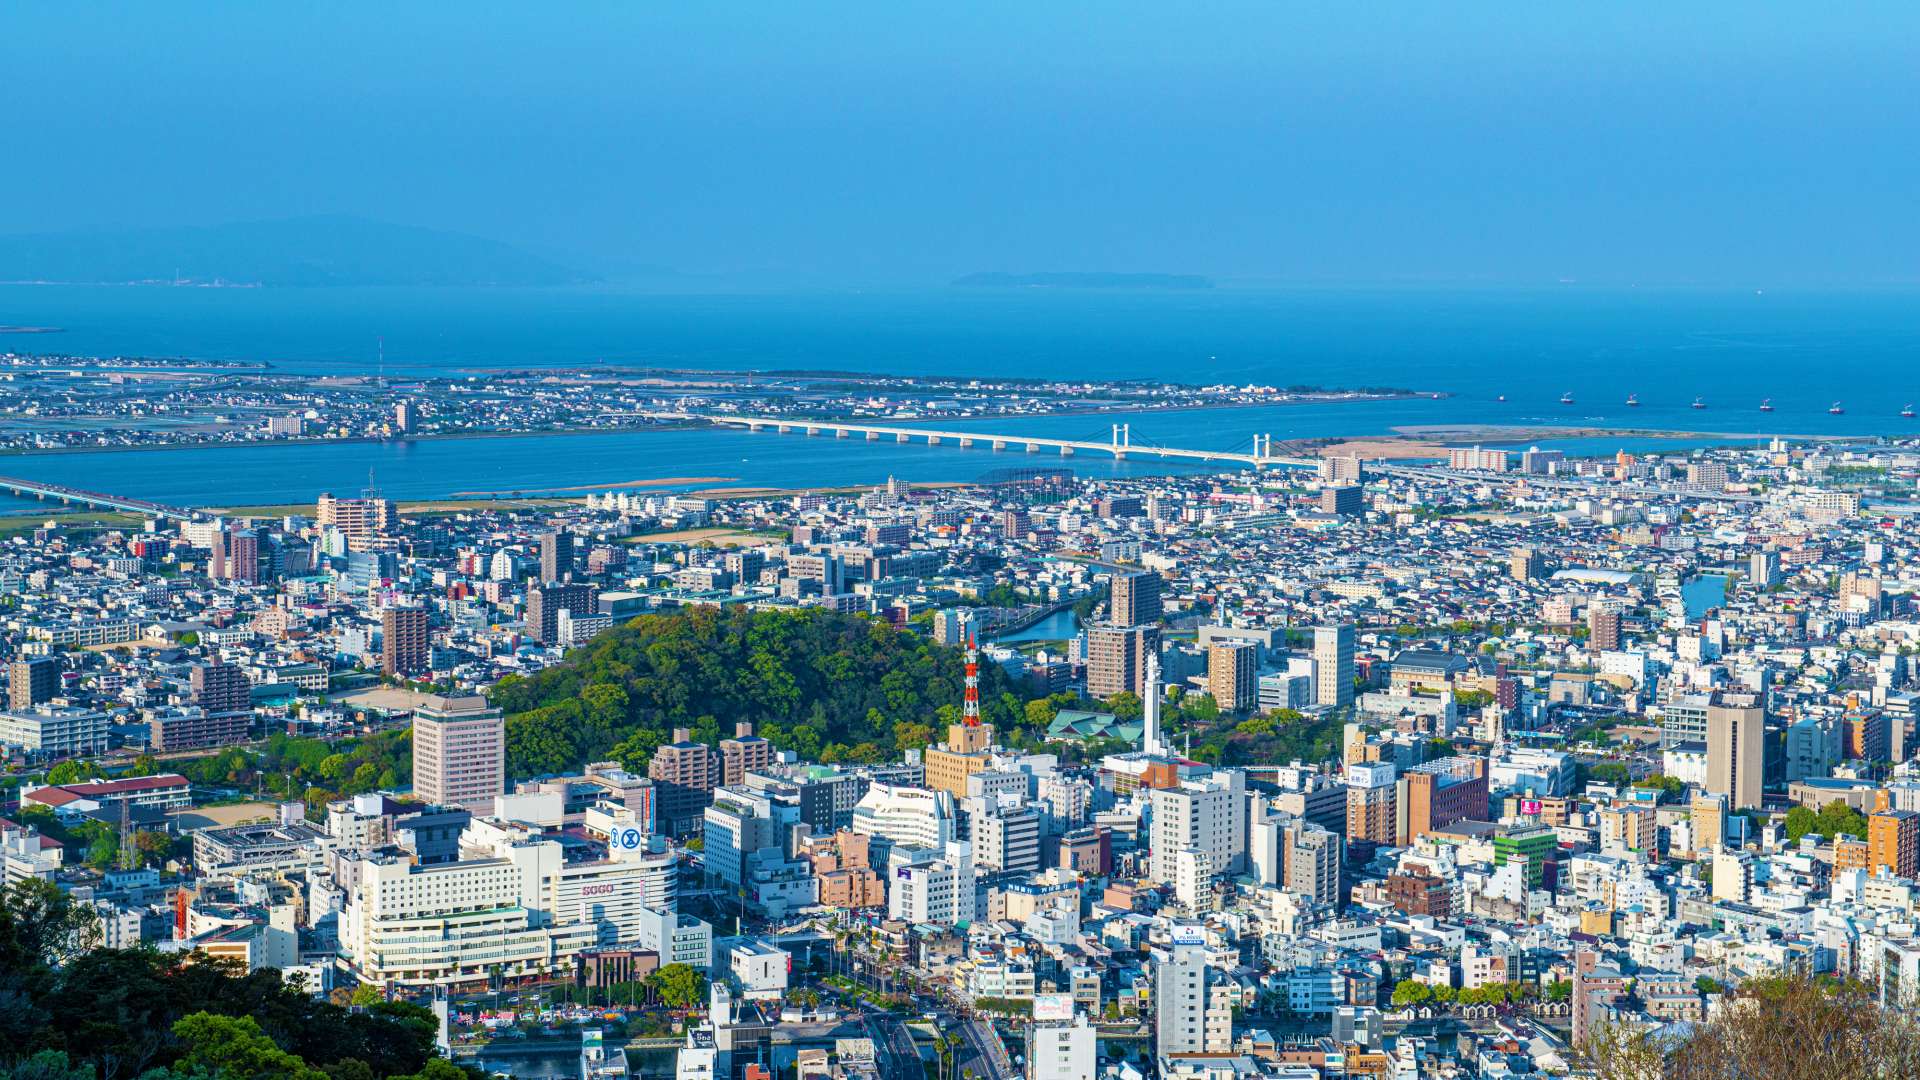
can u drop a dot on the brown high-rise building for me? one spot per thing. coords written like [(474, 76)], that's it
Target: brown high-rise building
[(1419, 894), (684, 774), (1437, 794), (546, 602), (1117, 659), (236, 556), (1343, 499), (1371, 803), (30, 682), (1893, 843), (742, 754), (1603, 627), (220, 688), (359, 519), (1137, 599), (1230, 674), (404, 645), (459, 752), (1736, 751), (556, 556)]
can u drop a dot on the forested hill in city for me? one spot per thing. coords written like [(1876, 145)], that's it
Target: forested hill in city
[(828, 686)]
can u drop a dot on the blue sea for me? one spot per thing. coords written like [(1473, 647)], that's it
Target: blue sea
[(1732, 349)]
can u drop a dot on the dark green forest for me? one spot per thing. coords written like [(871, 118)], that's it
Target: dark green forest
[(831, 687)]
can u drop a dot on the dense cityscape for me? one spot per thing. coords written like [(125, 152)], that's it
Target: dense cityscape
[(1503, 766)]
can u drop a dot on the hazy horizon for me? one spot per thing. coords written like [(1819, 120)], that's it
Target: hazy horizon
[(1506, 143)]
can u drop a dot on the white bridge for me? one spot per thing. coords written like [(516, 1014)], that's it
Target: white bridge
[(1120, 445)]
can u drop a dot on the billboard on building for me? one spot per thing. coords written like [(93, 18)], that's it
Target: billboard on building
[(1053, 1006)]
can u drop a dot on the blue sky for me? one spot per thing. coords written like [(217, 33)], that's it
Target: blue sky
[(1720, 143)]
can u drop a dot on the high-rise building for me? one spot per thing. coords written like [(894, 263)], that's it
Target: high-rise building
[(1207, 815), (1370, 803), (1763, 569), (1893, 843), (459, 752), (546, 602), (358, 519), (1063, 1051), (952, 626), (1137, 599), (1340, 469), (404, 645), (1231, 675), (220, 688), (235, 556), (965, 753), (1313, 862), (1006, 838), (1603, 627), (30, 682), (684, 774), (1333, 664), (403, 417), (1736, 752), (1343, 499), (1866, 735), (1117, 659), (556, 556), (932, 885), (1186, 1020), (1525, 564), (742, 754), (1435, 794)]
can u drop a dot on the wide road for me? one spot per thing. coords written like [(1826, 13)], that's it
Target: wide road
[(894, 1051), (989, 1053)]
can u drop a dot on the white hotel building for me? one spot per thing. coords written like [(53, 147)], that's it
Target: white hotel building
[(512, 903)]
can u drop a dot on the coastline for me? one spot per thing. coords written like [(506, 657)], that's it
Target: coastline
[(1421, 442)]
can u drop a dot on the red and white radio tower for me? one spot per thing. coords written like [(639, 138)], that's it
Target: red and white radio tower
[(970, 708)]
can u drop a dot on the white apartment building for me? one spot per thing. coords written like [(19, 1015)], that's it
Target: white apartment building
[(934, 886), (1063, 1051), (1189, 1016), (1207, 815), (677, 938), (55, 730)]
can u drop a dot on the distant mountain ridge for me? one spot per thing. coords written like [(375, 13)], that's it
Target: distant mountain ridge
[(1070, 280), (308, 251)]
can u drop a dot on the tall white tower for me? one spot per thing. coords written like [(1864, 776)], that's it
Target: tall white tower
[(1150, 707)]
